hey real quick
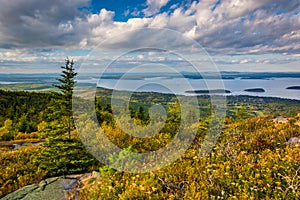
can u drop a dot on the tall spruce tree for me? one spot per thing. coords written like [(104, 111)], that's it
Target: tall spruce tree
[(66, 86)]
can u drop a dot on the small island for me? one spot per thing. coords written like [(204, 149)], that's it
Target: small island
[(209, 91), (293, 88), (255, 90)]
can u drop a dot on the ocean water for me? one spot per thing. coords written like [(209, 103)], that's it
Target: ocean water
[(8, 82), (274, 87)]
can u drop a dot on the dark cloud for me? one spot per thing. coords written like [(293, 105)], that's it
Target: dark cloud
[(36, 23)]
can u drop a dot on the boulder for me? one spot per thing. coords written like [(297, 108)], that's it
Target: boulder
[(49, 189)]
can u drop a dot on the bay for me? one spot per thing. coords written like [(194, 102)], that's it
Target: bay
[(274, 87)]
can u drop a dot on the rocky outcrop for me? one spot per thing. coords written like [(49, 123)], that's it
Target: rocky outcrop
[(56, 188), (294, 141), (281, 120)]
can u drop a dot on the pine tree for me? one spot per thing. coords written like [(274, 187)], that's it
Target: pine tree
[(66, 87)]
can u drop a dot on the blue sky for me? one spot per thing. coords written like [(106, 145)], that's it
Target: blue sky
[(239, 35)]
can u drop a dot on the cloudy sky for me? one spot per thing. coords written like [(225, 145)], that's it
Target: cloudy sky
[(239, 35)]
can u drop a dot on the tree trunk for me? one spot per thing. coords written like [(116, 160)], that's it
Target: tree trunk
[(69, 126)]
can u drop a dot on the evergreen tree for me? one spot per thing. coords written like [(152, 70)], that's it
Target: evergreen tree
[(62, 156), (66, 87)]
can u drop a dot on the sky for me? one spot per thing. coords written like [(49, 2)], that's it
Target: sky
[(238, 35)]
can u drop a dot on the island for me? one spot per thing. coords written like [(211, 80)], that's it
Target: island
[(209, 91), (255, 90), (293, 88)]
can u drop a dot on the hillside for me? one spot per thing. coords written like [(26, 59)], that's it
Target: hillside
[(251, 159)]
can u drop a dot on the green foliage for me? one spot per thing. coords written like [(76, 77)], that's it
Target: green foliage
[(62, 156), (7, 132), (141, 116), (24, 109), (50, 129), (25, 126)]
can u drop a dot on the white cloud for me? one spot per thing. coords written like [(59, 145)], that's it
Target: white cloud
[(126, 12), (238, 8), (245, 61), (104, 17), (154, 6), (160, 21), (140, 56)]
